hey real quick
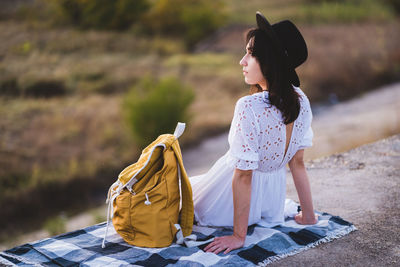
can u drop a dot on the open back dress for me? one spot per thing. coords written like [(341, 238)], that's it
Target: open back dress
[(257, 141)]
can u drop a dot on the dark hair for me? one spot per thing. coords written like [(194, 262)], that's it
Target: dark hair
[(274, 67)]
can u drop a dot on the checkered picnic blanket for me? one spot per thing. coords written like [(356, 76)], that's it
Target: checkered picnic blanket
[(263, 246)]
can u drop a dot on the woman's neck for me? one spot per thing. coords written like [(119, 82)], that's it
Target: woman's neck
[(264, 85)]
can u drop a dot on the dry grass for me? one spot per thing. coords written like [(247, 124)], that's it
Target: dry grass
[(85, 62), (347, 60), (60, 139)]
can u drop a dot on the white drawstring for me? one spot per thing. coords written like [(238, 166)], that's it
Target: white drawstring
[(147, 202), (112, 194)]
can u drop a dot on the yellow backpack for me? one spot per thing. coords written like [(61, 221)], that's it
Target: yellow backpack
[(145, 203)]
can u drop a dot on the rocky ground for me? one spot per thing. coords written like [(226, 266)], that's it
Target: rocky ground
[(361, 186)]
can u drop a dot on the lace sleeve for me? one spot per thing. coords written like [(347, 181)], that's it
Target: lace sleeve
[(243, 141)]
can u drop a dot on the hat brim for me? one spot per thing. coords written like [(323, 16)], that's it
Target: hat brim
[(263, 24)]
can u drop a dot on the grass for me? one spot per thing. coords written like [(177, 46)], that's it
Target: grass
[(243, 12), (349, 11), (99, 215), (311, 12), (59, 139), (56, 225), (207, 64)]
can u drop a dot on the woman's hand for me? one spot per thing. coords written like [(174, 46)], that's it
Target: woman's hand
[(227, 243), (301, 219)]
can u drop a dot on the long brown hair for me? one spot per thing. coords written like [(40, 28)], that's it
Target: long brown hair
[(274, 67)]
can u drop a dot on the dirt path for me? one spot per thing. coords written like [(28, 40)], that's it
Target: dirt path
[(363, 120)]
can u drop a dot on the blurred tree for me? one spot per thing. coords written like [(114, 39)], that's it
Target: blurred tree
[(155, 107), (190, 19), (102, 14)]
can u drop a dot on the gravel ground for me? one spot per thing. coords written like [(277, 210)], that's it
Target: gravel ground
[(363, 187)]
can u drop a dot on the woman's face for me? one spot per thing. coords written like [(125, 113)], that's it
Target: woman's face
[(251, 69)]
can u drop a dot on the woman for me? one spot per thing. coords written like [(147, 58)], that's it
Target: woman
[(270, 128)]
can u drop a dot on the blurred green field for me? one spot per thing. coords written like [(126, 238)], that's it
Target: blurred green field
[(312, 11), (61, 89)]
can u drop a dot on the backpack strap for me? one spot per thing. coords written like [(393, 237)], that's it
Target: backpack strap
[(187, 211), (180, 128)]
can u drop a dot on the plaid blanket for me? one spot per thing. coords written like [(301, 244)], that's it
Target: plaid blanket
[(263, 246)]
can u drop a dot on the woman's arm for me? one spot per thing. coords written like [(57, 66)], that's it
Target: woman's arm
[(241, 187), (302, 184)]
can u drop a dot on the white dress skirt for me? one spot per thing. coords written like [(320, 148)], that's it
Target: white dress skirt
[(214, 200), (257, 139)]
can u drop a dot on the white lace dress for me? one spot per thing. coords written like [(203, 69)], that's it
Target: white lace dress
[(257, 139)]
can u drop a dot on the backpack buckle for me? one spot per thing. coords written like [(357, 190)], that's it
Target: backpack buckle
[(130, 190), (130, 184)]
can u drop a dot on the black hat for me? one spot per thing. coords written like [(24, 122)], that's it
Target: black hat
[(288, 37)]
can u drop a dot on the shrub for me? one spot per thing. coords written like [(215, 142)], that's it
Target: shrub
[(154, 107), (190, 19), (101, 14)]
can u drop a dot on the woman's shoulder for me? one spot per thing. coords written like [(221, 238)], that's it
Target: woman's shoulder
[(247, 102), (305, 106), (258, 106), (304, 101), (250, 98), (303, 96)]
